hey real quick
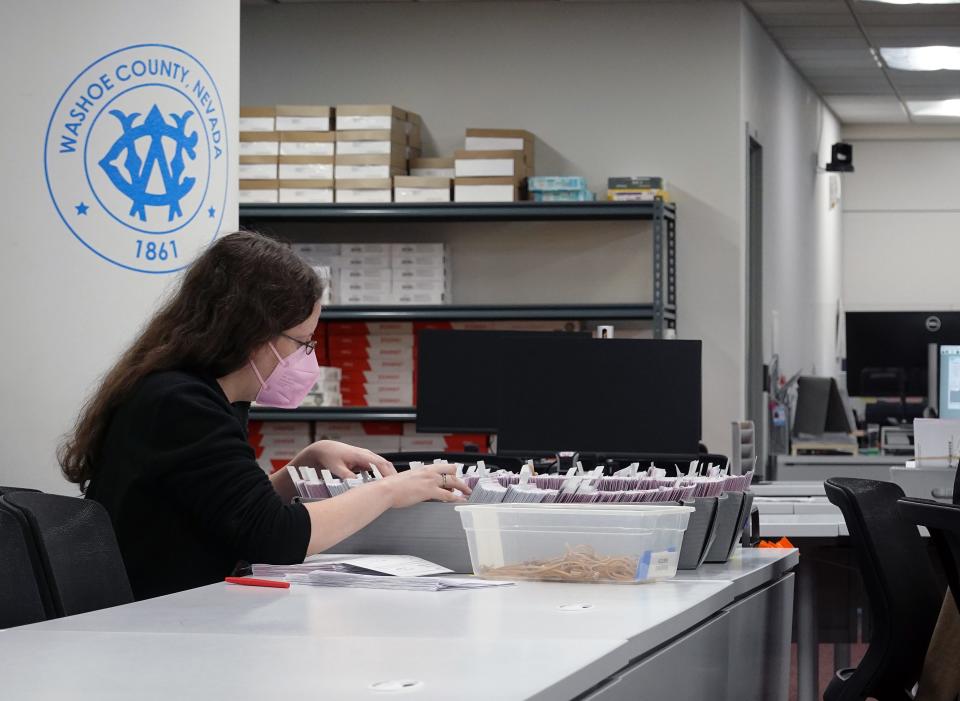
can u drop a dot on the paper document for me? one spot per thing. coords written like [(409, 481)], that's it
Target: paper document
[(396, 565), (320, 578)]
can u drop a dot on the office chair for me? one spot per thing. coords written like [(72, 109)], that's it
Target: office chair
[(21, 600), (901, 589), (11, 490), (78, 551), (943, 522)]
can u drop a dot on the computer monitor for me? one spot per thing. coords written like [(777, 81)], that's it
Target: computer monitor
[(457, 378), (887, 351), (608, 397), (821, 408), (949, 384)]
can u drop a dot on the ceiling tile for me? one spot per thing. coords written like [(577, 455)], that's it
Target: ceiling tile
[(861, 109)]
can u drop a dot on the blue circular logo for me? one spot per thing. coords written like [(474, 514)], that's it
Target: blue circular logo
[(135, 158)]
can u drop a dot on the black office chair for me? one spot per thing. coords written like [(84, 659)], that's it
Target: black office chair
[(11, 490), (21, 595), (901, 589), (78, 551), (943, 522)]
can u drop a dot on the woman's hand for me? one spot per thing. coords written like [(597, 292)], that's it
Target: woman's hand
[(341, 459), (429, 482)]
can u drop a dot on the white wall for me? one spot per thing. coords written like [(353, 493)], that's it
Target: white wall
[(802, 246), (608, 89), (67, 313), (901, 219)]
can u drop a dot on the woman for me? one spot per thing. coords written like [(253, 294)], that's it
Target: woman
[(162, 443)]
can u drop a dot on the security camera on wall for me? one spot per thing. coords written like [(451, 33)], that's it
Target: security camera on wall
[(841, 158)]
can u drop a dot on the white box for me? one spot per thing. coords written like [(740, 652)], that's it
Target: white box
[(365, 260), (419, 260), (404, 287), (367, 148), (259, 144), (366, 298), (363, 172), (488, 143), (256, 119), (484, 193), (306, 168), (307, 148), (257, 192), (352, 249), (419, 272), (363, 285), (366, 273), (303, 118), (317, 252), (257, 168), (433, 172), (422, 194), (347, 195), (420, 298), (403, 249), (306, 191), (493, 167)]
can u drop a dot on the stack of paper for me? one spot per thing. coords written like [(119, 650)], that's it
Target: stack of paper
[(321, 578)]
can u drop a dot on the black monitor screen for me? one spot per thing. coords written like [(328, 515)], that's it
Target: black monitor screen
[(457, 378), (618, 396), (887, 351)]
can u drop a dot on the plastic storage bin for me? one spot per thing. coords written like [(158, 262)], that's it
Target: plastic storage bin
[(623, 544)]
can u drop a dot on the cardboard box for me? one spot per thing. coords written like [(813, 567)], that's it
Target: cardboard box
[(367, 117), (432, 167), (257, 119), (403, 288), (420, 298), (375, 190), (303, 118), (365, 261), (358, 343), (258, 192), (258, 168), (259, 143), (419, 189), (306, 167), (555, 183), (367, 167), (338, 429), (489, 164), (372, 142), (371, 353), (307, 143), (306, 191), (382, 274), (363, 285), (366, 298), (419, 272), (419, 260), (317, 253), (502, 140), (487, 189), (376, 377), (635, 182), (364, 364)]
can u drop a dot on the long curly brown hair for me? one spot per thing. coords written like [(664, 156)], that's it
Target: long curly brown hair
[(240, 293)]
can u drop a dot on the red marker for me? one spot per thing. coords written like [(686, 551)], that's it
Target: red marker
[(251, 582)]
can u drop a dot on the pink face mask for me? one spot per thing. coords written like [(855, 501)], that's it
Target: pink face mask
[(290, 382)]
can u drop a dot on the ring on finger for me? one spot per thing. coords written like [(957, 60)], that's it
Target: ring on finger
[(443, 481)]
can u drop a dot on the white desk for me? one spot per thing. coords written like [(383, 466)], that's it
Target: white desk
[(232, 642)]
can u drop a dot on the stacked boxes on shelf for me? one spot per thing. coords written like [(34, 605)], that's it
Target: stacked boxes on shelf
[(374, 144), (326, 391), (381, 273), (307, 147), (259, 152), (494, 165), (378, 436), (411, 441), (560, 188), (377, 362), (636, 189), (276, 443)]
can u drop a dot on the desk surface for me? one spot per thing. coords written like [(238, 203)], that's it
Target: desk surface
[(246, 642)]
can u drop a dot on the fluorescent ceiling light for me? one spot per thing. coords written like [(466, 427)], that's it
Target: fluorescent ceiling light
[(923, 58), (934, 108)]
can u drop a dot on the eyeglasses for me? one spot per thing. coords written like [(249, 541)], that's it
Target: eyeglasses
[(311, 345)]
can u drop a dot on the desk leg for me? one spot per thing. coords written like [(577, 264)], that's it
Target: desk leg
[(808, 675)]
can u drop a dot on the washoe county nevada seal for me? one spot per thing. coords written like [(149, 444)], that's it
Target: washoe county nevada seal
[(135, 158)]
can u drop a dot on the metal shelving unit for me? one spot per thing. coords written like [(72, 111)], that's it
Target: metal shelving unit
[(662, 311)]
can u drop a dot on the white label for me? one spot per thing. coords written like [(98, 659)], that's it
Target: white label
[(351, 196), (257, 197), (663, 564), (422, 194)]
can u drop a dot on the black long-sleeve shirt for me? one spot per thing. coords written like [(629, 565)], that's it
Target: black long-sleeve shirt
[(184, 491)]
